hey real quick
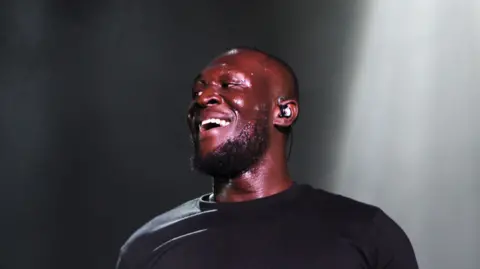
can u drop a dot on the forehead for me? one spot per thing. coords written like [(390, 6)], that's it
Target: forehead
[(242, 63)]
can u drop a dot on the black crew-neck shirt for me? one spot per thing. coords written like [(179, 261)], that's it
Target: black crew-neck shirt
[(301, 227)]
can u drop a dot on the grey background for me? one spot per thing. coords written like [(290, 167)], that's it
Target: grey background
[(93, 140)]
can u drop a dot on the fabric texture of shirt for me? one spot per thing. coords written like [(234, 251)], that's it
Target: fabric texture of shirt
[(301, 227)]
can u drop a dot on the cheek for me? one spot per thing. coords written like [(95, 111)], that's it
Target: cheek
[(247, 108), (243, 102), (255, 108), (239, 102), (250, 107)]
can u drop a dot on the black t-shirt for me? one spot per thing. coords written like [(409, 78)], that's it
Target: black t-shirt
[(301, 227)]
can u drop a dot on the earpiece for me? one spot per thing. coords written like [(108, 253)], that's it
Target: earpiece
[(285, 111)]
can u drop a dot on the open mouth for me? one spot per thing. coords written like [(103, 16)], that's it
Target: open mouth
[(212, 123)]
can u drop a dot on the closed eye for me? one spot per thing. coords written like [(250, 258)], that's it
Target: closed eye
[(226, 85)]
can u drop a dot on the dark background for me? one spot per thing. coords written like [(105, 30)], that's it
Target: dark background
[(93, 98), (92, 111)]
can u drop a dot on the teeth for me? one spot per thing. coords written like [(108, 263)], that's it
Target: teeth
[(216, 121)]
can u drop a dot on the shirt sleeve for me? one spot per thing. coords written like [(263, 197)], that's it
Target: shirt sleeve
[(392, 246)]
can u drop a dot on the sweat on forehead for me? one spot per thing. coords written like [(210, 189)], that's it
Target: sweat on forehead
[(265, 63)]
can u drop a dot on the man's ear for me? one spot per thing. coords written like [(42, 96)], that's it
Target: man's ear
[(285, 113)]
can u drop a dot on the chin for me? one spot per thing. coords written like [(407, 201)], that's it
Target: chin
[(208, 145), (208, 142)]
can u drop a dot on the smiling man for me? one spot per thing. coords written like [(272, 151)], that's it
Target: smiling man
[(243, 106)]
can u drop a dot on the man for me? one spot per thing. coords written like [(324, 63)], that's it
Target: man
[(243, 105)]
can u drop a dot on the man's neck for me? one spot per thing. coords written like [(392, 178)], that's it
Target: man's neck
[(265, 179)]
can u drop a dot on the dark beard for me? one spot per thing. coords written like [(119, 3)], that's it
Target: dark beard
[(236, 155)]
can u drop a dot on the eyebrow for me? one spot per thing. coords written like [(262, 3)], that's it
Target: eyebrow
[(237, 77), (197, 78), (223, 75)]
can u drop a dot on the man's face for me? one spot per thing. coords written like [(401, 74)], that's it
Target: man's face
[(230, 115)]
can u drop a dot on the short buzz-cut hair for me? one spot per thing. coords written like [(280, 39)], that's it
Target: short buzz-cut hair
[(288, 68)]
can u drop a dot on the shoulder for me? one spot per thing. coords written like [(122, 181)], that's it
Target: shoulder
[(391, 243), (341, 208), (141, 237), (348, 212), (368, 227)]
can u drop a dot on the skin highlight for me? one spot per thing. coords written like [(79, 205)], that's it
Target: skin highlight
[(243, 86)]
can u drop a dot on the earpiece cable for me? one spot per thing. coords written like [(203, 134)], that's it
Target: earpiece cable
[(290, 143)]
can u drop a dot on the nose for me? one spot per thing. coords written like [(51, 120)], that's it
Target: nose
[(208, 98)]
